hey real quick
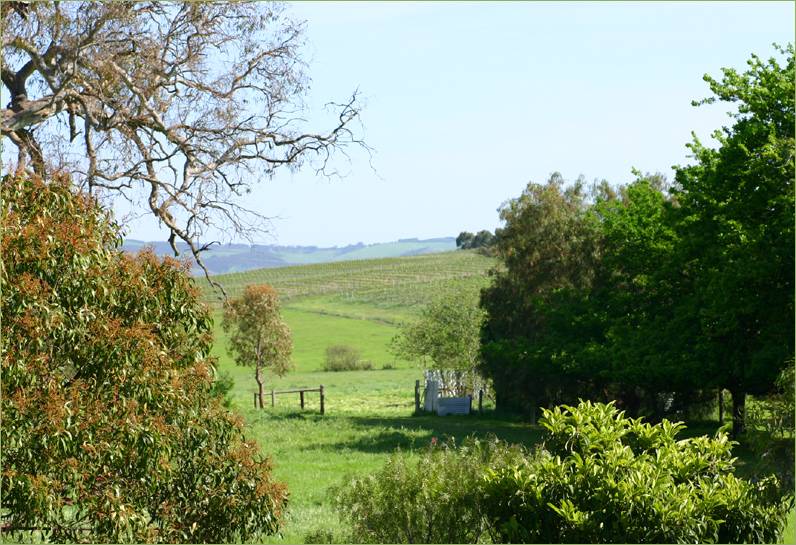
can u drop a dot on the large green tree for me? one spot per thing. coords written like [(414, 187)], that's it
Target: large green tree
[(737, 205), (111, 431), (549, 248), (646, 289)]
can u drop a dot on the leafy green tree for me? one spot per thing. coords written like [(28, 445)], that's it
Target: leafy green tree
[(635, 292), (111, 431), (470, 241), (737, 210), (465, 240), (258, 335), (647, 327), (549, 247), (483, 239), (447, 333)]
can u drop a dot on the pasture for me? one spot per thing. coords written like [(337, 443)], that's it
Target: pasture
[(369, 414)]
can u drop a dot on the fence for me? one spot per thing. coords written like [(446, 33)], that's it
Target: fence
[(299, 391), (418, 395)]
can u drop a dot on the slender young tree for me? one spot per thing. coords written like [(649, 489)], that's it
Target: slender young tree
[(447, 334), (258, 335)]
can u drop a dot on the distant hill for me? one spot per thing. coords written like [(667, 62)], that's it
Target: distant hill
[(230, 258)]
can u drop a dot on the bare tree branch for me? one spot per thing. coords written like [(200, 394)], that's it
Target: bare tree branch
[(187, 103)]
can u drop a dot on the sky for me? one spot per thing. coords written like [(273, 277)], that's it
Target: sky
[(465, 103)]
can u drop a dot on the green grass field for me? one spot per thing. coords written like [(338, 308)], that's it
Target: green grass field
[(369, 414)]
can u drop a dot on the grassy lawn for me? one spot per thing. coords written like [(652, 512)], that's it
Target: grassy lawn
[(368, 416)]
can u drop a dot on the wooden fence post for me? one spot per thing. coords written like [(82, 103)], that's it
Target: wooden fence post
[(255, 400), (322, 400), (417, 396), (301, 394), (273, 399), (480, 400)]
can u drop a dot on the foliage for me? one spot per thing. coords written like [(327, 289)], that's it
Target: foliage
[(111, 430), (550, 251), (770, 423), (446, 333), (222, 386), (340, 357), (319, 535), (736, 222), (257, 334), (434, 499), (650, 291), (604, 478), (469, 241)]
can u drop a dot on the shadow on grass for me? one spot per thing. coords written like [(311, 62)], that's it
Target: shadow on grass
[(412, 432)]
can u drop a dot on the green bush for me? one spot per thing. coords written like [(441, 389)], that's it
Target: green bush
[(604, 478), (112, 427), (341, 357), (320, 535), (432, 499)]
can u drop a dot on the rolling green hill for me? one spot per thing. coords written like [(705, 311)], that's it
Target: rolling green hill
[(386, 290)]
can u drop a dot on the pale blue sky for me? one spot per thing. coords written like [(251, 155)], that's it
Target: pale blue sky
[(467, 102)]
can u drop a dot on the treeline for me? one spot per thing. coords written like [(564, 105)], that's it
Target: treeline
[(653, 293), (470, 241)]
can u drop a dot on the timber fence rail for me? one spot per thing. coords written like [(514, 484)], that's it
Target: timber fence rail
[(299, 391)]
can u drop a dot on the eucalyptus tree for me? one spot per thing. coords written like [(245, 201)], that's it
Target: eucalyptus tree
[(179, 107), (259, 336)]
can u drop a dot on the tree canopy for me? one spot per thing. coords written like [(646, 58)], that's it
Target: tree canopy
[(111, 432), (654, 288), (258, 335), (446, 336), (469, 241)]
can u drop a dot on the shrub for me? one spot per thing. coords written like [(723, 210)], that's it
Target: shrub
[(320, 535), (433, 499), (606, 478), (341, 357), (111, 429)]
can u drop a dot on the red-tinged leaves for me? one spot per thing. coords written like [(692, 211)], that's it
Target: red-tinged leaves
[(110, 428)]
